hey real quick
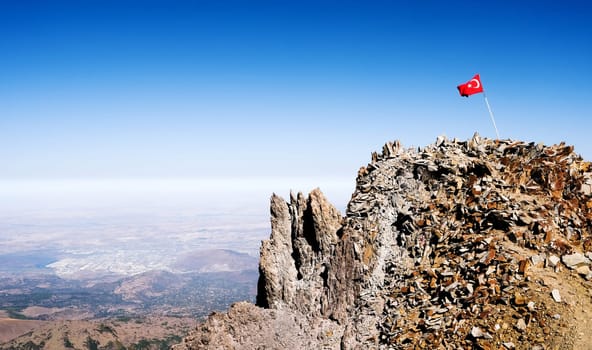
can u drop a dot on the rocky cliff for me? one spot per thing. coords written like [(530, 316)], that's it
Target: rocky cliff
[(462, 244)]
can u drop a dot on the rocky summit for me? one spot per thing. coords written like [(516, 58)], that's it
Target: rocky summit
[(478, 244)]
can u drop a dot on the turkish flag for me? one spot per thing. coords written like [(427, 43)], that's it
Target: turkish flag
[(471, 87)]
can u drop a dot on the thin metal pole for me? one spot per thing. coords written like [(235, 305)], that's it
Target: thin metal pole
[(491, 115)]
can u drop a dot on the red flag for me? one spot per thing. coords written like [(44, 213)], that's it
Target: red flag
[(471, 87)]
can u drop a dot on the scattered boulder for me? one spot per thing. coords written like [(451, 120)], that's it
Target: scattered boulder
[(573, 261)]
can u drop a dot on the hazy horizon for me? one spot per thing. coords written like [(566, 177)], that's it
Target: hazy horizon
[(130, 226)]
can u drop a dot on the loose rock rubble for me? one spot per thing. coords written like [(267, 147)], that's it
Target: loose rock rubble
[(453, 246), (477, 204)]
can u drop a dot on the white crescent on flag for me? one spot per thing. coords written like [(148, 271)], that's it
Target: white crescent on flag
[(477, 82)]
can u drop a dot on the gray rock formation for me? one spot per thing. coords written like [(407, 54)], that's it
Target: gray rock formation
[(295, 260), (436, 243)]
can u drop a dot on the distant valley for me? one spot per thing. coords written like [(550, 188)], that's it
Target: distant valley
[(190, 288), (93, 268), (201, 282), (76, 255)]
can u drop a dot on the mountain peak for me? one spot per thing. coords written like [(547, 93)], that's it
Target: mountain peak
[(460, 244)]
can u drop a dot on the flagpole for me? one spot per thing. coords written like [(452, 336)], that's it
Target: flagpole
[(491, 115)]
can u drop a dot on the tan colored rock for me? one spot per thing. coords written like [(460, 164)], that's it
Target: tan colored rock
[(574, 260), (519, 299), (553, 260), (521, 325), (583, 270), (556, 295)]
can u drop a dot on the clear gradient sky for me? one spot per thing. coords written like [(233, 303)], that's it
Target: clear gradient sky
[(186, 89)]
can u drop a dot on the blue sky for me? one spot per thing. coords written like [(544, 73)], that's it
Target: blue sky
[(251, 89)]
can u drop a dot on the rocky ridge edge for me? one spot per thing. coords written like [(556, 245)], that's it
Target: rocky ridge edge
[(441, 247)]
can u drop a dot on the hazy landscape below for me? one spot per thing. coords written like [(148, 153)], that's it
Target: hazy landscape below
[(81, 249), (78, 227)]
